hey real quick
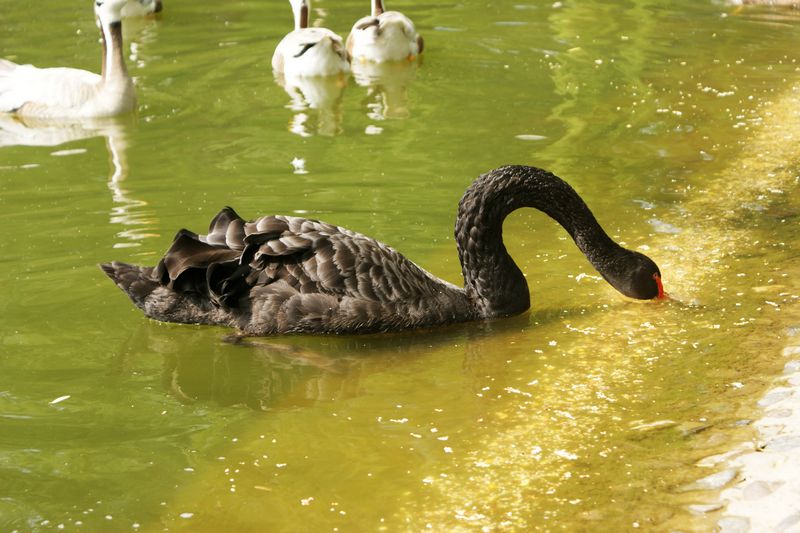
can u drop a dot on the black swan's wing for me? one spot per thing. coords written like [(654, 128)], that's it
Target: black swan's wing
[(274, 259)]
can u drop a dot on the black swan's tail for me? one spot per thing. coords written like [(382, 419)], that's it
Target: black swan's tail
[(135, 281)]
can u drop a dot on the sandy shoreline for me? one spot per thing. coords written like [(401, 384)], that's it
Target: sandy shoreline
[(766, 495)]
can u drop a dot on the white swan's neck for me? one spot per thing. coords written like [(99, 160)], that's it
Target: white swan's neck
[(301, 12), (113, 70), (377, 7)]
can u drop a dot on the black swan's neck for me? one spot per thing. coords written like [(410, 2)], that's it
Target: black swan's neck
[(493, 282)]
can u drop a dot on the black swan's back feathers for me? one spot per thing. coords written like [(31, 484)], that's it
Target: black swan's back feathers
[(136, 281), (281, 274)]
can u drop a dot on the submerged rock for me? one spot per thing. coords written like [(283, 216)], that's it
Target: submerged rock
[(713, 482)]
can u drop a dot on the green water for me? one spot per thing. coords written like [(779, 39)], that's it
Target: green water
[(588, 412)]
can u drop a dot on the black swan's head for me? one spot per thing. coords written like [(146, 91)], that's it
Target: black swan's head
[(636, 276)]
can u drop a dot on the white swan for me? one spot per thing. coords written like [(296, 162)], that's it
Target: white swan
[(73, 93), (384, 36), (309, 51), (142, 8)]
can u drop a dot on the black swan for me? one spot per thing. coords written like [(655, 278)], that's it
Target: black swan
[(281, 274)]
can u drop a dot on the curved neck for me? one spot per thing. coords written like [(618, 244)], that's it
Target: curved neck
[(113, 61), (377, 7), (493, 282), (301, 16)]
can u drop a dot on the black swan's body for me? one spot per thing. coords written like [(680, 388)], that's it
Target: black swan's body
[(281, 274)]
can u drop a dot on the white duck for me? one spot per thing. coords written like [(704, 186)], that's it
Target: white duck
[(384, 36), (309, 51), (73, 93), (141, 8)]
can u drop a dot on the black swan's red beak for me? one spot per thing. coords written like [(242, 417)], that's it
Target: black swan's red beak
[(661, 294)]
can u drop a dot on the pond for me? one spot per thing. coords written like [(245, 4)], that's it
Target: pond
[(675, 123)]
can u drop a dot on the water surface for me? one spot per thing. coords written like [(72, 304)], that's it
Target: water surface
[(588, 412)]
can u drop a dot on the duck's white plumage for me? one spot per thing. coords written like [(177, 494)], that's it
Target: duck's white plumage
[(73, 93), (309, 51), (384, 36)]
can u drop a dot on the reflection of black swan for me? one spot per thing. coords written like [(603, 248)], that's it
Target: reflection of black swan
[(282, 274)]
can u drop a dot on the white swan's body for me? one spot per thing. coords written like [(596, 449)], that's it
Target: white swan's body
[(325, 57), (61, 92), (384, 36), (73, 93), (309, 51)]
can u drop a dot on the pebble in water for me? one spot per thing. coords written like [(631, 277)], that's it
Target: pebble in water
[(714, 481)]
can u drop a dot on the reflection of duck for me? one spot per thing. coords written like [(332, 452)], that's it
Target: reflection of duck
[(142, 8), (32, 131), (69, 92), (309, 51), (323, 94), (283, 274), (29, 131), (131, 213), (387, 85), (384, 36)]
